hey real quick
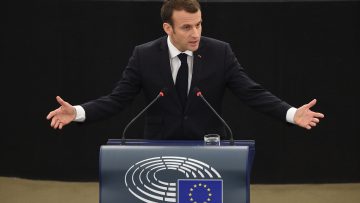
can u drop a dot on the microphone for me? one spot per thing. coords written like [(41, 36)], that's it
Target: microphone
[(199, 94), (161, 94)]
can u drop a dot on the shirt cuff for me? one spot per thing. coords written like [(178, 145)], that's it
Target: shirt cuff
[(80, 114), (290, 114)]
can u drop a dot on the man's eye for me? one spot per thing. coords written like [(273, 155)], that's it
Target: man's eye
[(186, 27)]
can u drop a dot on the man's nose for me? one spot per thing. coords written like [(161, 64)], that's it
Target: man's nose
[(196, 32)]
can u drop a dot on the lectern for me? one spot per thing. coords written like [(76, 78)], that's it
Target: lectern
[(175, 171)]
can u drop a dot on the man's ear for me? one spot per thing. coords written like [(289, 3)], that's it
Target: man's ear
[(167, 28)]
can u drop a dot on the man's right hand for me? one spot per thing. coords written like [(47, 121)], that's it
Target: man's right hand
[(62, 115)]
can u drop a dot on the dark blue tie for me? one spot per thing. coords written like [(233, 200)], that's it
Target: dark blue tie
[(182, 79)]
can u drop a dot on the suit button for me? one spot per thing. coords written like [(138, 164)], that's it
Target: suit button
[(186, 117)]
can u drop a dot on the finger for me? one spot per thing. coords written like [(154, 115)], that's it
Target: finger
[(311, 104), (312, 124), (56, 126), (61, 101), (319, 115), (61, 126), (53, 122), (315, 120), (308, 127), (50, 115)]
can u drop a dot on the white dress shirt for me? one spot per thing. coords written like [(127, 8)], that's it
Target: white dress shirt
[(175, 62)]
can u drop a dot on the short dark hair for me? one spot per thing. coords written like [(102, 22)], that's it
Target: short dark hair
[(191, 6)]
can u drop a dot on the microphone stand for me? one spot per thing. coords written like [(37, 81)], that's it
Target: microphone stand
[(199, 94), (161, 94)]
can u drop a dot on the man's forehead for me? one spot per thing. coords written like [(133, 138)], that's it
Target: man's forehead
[(185, 18)]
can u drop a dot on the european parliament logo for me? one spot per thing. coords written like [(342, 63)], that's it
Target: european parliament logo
[(174, 179), (199, 191)]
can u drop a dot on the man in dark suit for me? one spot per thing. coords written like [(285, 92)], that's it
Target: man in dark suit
[(179, 62)]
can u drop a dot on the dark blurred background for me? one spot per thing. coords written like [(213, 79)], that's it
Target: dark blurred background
[(299, 50)]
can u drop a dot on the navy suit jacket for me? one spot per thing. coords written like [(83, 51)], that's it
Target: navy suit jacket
[(215, 68)]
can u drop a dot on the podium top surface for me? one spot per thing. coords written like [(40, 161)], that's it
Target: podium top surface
[(143, 142)]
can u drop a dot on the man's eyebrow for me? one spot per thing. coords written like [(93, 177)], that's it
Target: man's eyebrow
[(190, 24), (185, 25)]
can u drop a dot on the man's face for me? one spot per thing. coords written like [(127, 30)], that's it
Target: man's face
[(185, 32)]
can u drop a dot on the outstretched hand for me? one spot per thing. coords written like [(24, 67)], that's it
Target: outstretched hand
[(62, 115), (306, 118)]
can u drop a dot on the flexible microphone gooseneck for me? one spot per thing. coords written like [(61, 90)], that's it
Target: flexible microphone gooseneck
[(161, 94), (199, 94)]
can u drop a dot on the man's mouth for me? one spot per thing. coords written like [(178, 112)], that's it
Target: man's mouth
[(194, 42)]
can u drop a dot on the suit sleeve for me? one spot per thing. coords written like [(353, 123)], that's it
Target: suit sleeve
[(250, 92), (121, 96)]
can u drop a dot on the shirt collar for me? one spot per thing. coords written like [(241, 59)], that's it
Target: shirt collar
[(174, 51)]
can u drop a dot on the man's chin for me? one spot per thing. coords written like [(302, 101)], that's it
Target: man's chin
[(193, 48)]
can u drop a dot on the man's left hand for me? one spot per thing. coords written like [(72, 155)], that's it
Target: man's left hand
[(306, 118)]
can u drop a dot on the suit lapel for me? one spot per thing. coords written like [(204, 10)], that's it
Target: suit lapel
[(165, 71), (197, 67)]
